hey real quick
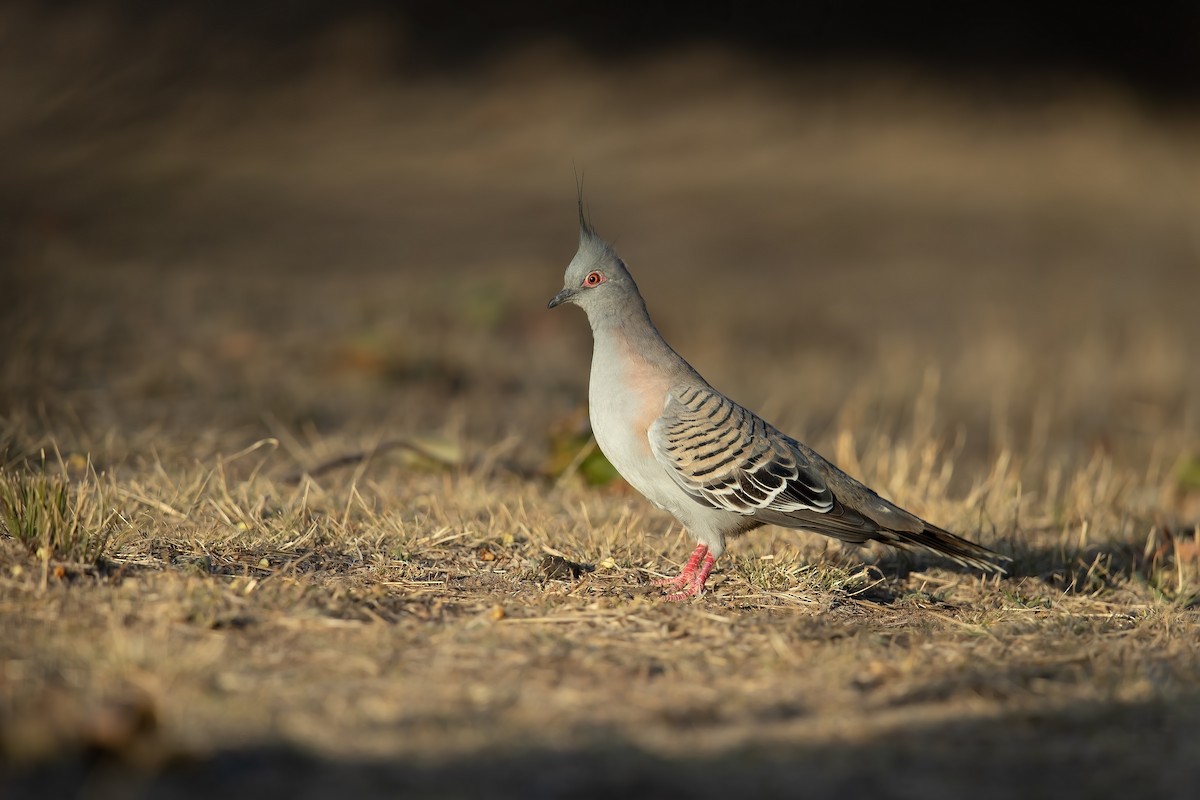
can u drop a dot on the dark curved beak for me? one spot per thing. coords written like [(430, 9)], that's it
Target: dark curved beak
[(561, 297)]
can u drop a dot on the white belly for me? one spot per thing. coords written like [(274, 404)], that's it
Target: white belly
[(626, 396), (624, 399)]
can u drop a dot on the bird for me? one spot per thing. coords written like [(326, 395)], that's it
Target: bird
[(717, 467)]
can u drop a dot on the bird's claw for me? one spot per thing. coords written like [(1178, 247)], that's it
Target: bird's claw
[(690, 581)]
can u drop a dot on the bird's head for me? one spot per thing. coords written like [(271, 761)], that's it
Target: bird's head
[(596, 279)]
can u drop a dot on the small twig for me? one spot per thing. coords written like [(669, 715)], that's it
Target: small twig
[(588, 448), (363, 455), (485, 462), (152, 503)]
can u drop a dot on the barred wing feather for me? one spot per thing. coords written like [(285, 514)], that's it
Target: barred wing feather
[(727, 457)]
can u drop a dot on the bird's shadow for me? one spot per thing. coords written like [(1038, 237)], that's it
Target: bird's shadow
[(1097, 565)]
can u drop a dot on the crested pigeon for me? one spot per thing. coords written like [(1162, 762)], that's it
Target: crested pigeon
[(717, 467)]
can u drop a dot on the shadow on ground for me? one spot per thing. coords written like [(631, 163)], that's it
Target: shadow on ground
[(1095, 750)]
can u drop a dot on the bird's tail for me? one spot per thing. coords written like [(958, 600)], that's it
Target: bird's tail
[(956, 548)]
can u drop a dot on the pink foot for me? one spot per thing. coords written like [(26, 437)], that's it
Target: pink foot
[(690, 581), (689, 570)]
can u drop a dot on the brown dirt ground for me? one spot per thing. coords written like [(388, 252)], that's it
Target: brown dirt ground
[(983, 302)]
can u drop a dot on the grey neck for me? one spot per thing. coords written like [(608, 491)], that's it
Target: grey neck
[(632, 323)]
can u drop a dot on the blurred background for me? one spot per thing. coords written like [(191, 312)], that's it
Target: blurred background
[(222, 220)]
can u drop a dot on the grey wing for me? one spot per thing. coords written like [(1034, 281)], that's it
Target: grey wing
[(726, 457)]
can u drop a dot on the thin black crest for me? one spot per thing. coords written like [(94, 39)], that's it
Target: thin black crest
[(585, 227)]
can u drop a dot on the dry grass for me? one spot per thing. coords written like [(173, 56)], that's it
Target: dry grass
[(396, 614), (985, 310)]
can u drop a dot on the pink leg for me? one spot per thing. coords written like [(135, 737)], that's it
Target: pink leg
[(690, 581), (688, 574), (696, 586)]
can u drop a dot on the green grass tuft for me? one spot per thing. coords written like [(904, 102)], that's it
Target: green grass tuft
[(55, 518)]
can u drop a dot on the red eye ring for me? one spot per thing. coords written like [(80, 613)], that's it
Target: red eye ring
[(594, 279)]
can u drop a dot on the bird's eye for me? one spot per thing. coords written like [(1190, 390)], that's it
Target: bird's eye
[(593, 279)]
